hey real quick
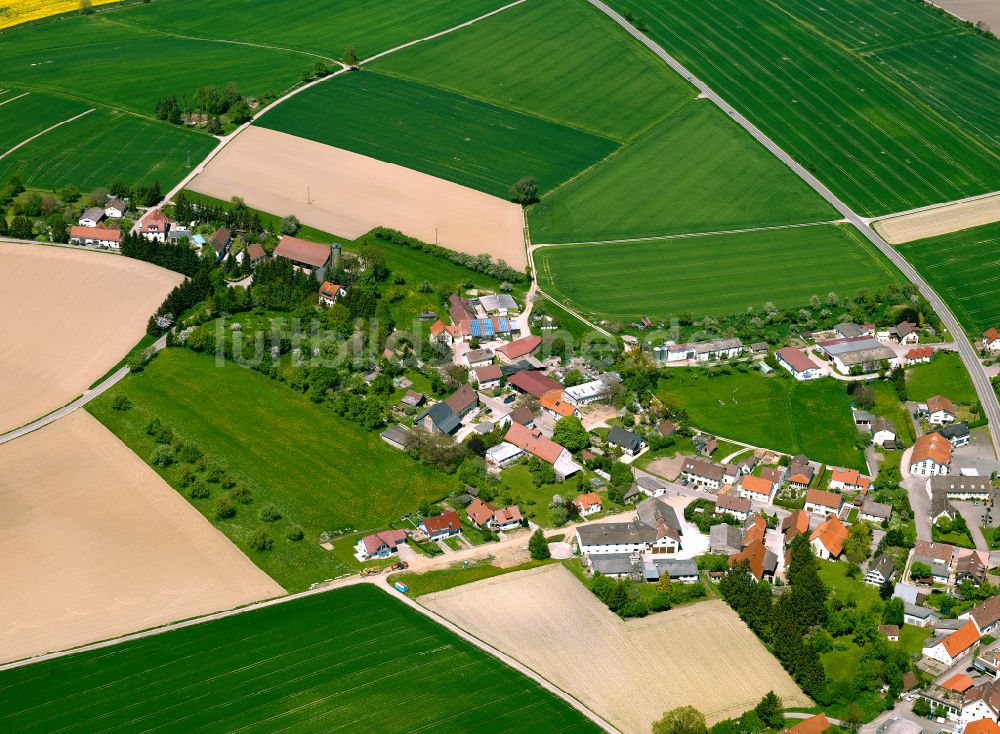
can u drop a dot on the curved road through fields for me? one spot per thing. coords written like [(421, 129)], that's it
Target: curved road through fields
[(962, 344)]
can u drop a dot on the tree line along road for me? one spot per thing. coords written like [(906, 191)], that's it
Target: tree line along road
[(980, 380)]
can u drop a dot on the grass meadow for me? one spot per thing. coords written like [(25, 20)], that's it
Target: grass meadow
[(314, 26), (964, 268), (711, 275), (877, 144), (320, 471), (943, 375), (519, 59), (107, 146), (779, 413), (94, 58), (695, 172), (440, 133), (352, 659)]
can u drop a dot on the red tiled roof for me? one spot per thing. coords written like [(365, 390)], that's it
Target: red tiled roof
[(586, 501), (391, 538), (920, 352), (308, 253), (959, 682), (445, 521), (96, 233), (520, 347), (931, 446), (532, 441), (754, 554), (982, 726), (813, 725), (939, 402), (832, 535), (823, 499), (961, 639), (479, 512), (796, 359), (552, 400), (757, 485), (534, 383), (488, 373), (991, 334)]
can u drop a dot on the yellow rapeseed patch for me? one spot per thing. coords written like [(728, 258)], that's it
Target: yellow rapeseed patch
[(13, 12)]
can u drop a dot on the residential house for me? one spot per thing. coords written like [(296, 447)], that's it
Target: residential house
[(412, 399), (796, 362), (849, 480), (518, 349), (962, 488), (941, 506), (629, 443), (115, 208), (659, 537), (552, 403), (503, 455), (666, 428), (862, 419), (971, 566), (488, 377), (756, 489), (650, 486), (442, 332), (919, 616), (438, 418), (588, 504), (532, 441), (380, 545), (463, 400), (794, 525), (991, 340), (91, 217), (707, 351), (460, 310), (397, 437), (725, 538), (523, 417), (661, 516), (532, 383), (875, 512), (707, 445), (154, 226), (813, 725), (905, 332), (256, 254), (329, 293), (478, 357), (931, 455), (940, 410), (758, 349), (828, 539), (311, 257), (823, 503), (918, 355), (982, 726), (957, 433), (773, 474), (480, 513), (729, 504), (938, 556), (754, 529), (220, 240), (801, 473), (760, 560), (985, 615), (947, 648), (441, 526), (96, 237), (880, 570), (702, 473), (883, 432)]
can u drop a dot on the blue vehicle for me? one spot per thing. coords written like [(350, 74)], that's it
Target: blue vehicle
[(403, 588)]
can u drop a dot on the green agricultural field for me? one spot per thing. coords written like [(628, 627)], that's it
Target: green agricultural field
[(710, 275), (964, 268), (315, 26), (695, 172), (353, 659), (812, 418), (98, 60), (438, 132), (320, 471), (944, 375), (106, 146), (880, 147), (25, 114), (519, 59)]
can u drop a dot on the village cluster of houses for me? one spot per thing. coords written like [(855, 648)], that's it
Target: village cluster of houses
[(99, 226), (856, 348)]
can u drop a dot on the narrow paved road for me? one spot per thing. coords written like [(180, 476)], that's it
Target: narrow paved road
[(962, 344), (106, 384)]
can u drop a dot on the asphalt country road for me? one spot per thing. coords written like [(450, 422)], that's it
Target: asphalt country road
[(963, 346)]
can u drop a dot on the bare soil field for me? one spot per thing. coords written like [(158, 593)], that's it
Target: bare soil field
[(96, 545), (67, 316), (701, 655), (987, 11), (350, 194), (941, 219)]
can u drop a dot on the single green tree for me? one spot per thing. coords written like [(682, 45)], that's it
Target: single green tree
[(681, 720), (770, 710), (570, 434), (524, 191), (351, 56), (538, 546)]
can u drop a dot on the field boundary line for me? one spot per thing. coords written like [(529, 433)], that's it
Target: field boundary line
[(930, 207), (970, 358), (133, 27), (445, 32), (14, 98), (689, 235), (48, 129)]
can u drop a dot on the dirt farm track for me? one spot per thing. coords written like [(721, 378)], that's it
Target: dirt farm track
[(939, 220), (67, 316), (702, 655), (95, 544), (351, 194)]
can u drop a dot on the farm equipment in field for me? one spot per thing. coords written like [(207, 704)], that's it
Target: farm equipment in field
[(399, 566), (370, 571)]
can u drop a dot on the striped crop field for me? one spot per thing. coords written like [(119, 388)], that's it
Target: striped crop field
[(811, 77), (964, 268), (711, 275), (15, 12), (349, 660)]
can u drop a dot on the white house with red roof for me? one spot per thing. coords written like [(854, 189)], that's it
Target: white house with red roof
[(796, 362), (991, 340), (154, 226), (588, 504), (96, 237), (330, 292), (441, 526), (380, 545), (941, 410), (851, 480)]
